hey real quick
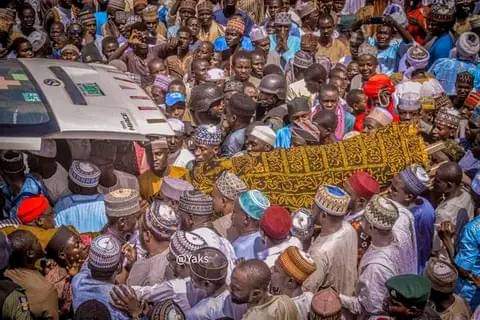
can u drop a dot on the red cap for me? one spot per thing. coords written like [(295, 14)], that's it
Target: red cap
[(31, 208), (276, 222), (363, 184)]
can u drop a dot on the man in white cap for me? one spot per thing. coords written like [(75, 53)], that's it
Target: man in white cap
[(43, 163), (380, 262), (226, 189), (338, 270), (179, 155), (172, 189), (261, 40), (96, 279), (84, 208), (377, 118), (157, 226), (409, 106), (260, 138)]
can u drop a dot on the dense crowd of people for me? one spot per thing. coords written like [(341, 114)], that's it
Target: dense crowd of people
[(97, 229)]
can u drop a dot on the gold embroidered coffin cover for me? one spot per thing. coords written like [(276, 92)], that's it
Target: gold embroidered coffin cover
[(290, 177)]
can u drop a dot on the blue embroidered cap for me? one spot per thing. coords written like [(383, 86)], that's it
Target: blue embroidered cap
[(415, 178), (172, 98), (333, 200), (253, 203)]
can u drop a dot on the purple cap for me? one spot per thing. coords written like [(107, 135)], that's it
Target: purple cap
[(173, 188)]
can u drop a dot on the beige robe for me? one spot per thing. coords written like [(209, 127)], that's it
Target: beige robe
[(150, 271), (334, 269), (278, 308)]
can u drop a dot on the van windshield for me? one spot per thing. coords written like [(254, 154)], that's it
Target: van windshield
[(20, 101)]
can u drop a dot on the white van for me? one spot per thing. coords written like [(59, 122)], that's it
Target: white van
[(56, 99)]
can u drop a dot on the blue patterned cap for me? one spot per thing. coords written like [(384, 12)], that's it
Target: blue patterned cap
[(415, 178), (253, 203), (173, 98), (476, 184), (208, 135), (84, 174), (332, 199), (105, 253)]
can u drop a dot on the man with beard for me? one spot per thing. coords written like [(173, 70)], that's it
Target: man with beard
[(157, 226), (439, 24), (206, 103), (329, 46), (209, 29), (272, 96), (41, 295), (250, 282), (291, 269), (207, 140), (151, 181), (226, 189), (299, 67), (234, 39), (240, 111), (229, 10)]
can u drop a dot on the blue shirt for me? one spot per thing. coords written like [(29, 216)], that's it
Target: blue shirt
[(234, 142), (220, 44), (220, 18), (284, 137), (85, 288), (388, 58), (441, 47), (468, 258), (248, 246), (31, 186), (424, 215), (102, 18), (293, 44), (445, 71), (85, 213)]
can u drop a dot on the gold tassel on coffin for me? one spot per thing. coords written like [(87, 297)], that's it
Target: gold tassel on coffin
[(290, 177)]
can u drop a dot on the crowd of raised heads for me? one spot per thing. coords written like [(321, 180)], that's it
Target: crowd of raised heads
[(307, 96)]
